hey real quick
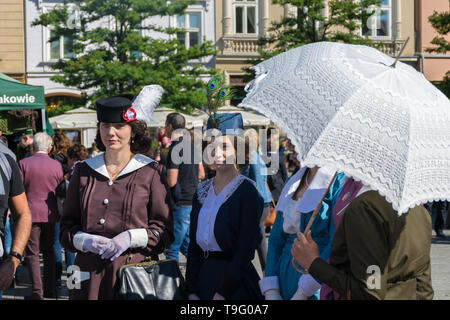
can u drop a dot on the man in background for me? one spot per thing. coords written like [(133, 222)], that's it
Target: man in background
[(25, 145), (41, 176), (183, 178)]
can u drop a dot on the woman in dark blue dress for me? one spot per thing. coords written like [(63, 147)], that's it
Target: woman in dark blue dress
[(224, 228)]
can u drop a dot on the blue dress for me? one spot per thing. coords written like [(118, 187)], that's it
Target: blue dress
[(236, 231), (280, 243)]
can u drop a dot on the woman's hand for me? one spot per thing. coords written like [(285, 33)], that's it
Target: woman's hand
[(305, 250), (118, 245)]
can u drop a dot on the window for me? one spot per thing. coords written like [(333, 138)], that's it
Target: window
[(61, 48), (245, 16), (379, 24), (192, 23)]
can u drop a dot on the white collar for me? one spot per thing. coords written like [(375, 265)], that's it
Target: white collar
[(312, 195), (204, 188), (97, 163)]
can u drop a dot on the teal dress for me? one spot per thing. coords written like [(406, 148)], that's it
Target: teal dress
[(280, 243)]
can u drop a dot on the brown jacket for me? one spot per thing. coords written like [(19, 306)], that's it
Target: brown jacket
[(372, 235), (138, 199)]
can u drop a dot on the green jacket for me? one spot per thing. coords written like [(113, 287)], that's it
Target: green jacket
[(371, 235)]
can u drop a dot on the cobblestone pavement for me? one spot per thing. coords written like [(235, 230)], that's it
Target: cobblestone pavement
[(440, 273)]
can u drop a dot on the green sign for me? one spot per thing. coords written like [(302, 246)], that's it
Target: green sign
[(16, 95)]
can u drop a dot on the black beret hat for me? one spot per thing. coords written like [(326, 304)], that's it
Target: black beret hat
[(114, 109)]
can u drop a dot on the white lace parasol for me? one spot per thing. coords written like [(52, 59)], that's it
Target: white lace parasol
[(146, 102), (344, 106)]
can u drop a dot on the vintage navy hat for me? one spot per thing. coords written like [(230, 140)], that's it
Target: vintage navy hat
[(116, 109), (227, 123)]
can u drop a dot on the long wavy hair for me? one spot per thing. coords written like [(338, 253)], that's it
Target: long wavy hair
[(61, 143)]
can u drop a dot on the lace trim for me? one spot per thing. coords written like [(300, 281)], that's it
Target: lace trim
[(204, 187), (393, 143)]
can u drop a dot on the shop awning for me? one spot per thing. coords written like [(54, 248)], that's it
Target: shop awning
[(16, 95)]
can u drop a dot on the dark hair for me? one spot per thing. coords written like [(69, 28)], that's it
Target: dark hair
[(77, 152), (176, 120), (141, 142), (304, 177)]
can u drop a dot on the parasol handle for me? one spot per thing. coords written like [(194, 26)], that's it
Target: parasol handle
[(311, 220), (400, 53)]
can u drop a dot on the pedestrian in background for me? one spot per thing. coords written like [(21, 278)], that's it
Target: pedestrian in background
[(438, 211), (41, 176), (25, 145), (164, 150), (61, 144), (276, 172), (183, 176), (257, 171)]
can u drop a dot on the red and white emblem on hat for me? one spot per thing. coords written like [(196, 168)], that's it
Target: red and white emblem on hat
[(129, 115)]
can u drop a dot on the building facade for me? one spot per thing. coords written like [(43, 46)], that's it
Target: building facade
[(433, 65), (239, 25), (12, 39), (41, 54), (392, 27)]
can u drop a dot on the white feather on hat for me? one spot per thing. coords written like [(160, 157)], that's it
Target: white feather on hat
[(146, 101)]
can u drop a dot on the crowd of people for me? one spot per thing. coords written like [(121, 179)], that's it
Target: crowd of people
[(130, 203)]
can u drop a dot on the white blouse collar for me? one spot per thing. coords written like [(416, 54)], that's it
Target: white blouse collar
[(316, 189), (205, 187), (291, 209), (97, 163)]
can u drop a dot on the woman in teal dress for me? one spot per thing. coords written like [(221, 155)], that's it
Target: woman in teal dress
[(298, 200)]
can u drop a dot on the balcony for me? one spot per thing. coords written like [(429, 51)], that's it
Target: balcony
[(240, 47), (389, 47)]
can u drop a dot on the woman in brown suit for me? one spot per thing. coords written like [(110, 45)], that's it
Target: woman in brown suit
[(118, 206)]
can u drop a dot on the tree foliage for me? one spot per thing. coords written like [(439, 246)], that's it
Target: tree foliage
[(441, 23), (118, 50)]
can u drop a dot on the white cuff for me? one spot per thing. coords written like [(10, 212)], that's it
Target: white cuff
[(308, 284), (268, 283), (78, 240), (139, 238)]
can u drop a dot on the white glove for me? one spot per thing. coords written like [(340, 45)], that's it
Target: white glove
[(1, 248), (86, 242), (299, 295), (118, 245), (273, 294)]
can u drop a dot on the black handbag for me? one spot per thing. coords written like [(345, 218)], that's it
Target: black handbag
[(151, 280)]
